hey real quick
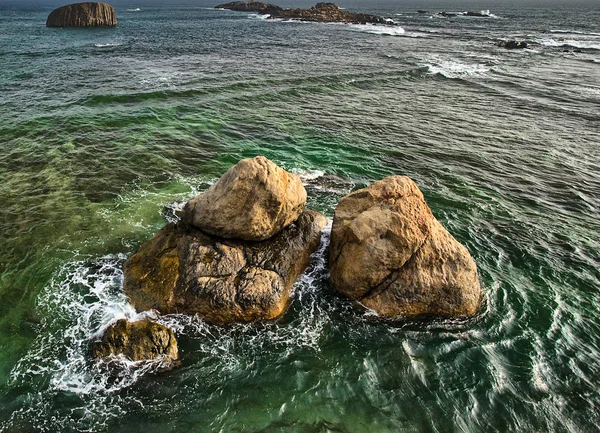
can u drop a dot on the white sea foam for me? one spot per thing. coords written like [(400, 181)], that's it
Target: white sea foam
[(134, 10), (575, 32), (575, 43), (451, 68), (259, 16), (77, 305), (379, 29), (108, 44), (308, 174)]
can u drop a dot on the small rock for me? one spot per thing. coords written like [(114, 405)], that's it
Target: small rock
[(513, 45), (143, 340), (321, 12)]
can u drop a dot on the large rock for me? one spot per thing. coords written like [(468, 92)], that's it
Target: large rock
[(254, 200), (184, 270), (144, 340), (90, 14), (390, 253)]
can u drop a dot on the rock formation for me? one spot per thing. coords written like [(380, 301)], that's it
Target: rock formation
[(235, 254), (390, 253), (251, 6), (321, 12), (90, 14), (184, 270), (143, 340), (513, 45), (254, 200)]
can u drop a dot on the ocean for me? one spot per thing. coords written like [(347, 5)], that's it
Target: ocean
[(105, 132)]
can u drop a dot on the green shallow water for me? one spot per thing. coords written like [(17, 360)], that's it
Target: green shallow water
[(105, 131)]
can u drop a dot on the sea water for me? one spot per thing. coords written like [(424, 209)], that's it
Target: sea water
[(105, 132)]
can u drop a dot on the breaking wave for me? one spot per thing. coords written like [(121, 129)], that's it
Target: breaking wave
[(379, 29), (451, 68)]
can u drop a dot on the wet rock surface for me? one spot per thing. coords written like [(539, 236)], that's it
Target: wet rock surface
[(185, 270), (143, 340)]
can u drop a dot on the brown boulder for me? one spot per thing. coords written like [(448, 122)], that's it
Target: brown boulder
[(254, 200), (89, 14), (390, 253), (144, 340), (184, 270)]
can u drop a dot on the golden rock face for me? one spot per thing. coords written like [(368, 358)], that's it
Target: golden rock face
[(254, 200), (390, 253), (89, 14)]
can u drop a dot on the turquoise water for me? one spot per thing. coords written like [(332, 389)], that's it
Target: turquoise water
[(105, 131)]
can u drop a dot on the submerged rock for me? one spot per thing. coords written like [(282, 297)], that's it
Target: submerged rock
[(254, 200), (390, 253), (184, 270), (89, 14), (513, 45), (143, 340), (482, 14)]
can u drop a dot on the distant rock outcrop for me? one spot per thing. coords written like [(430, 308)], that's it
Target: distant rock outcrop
[(144, 340), (251, 6), (321, 12), (390, 253), (89, 14), (513, 45)]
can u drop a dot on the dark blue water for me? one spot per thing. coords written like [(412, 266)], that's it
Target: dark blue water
[(104, 131)]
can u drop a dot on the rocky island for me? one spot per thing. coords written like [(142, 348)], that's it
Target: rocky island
[(237, 250), (89, 14), (321, 12)]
